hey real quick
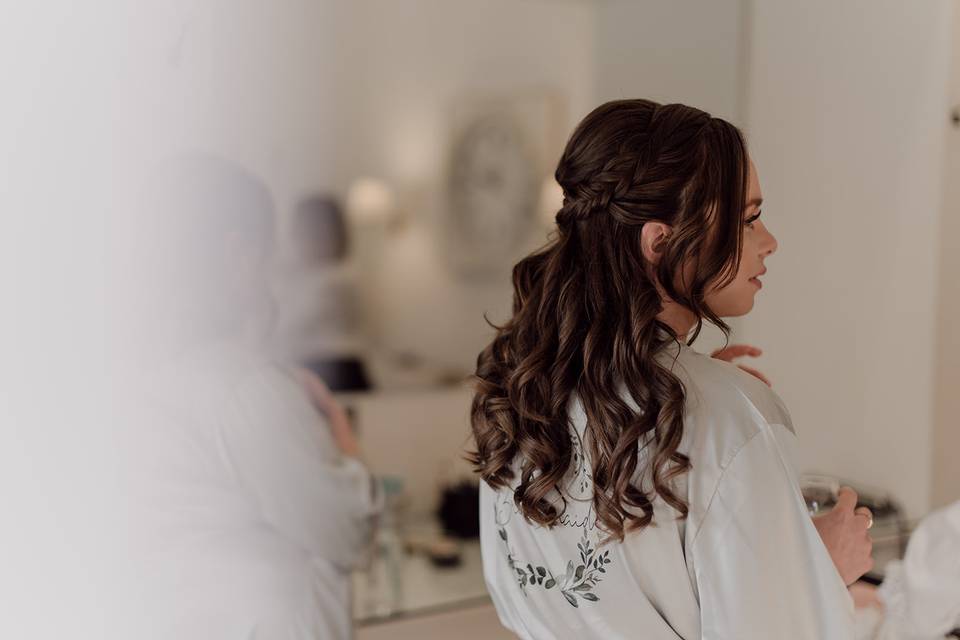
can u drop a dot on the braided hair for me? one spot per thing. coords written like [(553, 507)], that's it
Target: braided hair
[(585, 312)]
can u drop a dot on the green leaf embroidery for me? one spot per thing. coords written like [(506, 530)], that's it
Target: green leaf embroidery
[(578, 581)]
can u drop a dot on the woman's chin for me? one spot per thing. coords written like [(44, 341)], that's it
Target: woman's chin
[(734, 301), (738, 308)]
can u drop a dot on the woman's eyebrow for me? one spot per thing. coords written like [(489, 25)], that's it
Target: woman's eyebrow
[(755, 202)]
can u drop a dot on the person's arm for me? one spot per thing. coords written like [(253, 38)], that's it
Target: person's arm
[(762, 570), (333, 411)]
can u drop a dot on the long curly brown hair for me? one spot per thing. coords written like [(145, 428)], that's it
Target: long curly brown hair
[(585, 312)]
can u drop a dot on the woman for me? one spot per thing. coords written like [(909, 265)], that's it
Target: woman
[(633, 487)]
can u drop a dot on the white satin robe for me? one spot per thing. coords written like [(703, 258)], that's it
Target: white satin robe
[(747, 563)]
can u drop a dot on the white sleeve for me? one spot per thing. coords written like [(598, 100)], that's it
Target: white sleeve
[(283, 455), (762, 570)]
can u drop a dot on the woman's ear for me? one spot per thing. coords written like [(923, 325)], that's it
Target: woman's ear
[(652, 237)]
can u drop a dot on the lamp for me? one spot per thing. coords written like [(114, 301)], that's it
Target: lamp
[(370, 200)]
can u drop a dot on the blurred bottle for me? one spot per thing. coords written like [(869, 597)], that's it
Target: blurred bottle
[(384, 578)]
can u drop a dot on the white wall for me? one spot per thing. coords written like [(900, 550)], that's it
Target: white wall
[(682, 51), (946, 437), (403, 66), (845, 117), (257, 85)]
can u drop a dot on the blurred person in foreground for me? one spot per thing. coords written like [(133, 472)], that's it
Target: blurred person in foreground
[(634, 487), (254, 503), (919, 598)]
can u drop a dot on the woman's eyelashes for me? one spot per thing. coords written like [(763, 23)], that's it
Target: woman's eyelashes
[(748, 223)]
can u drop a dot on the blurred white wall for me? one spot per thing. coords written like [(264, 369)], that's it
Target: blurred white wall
[(846, 117), (946, 437), (403, 68), (256, 81), (681, 51)]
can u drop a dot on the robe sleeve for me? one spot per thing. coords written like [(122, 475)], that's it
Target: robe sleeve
[(284, 457), (762, 570)]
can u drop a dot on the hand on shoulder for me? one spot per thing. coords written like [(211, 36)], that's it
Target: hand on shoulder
[(734, 351)]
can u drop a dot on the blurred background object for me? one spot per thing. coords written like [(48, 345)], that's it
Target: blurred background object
[(319, 323)]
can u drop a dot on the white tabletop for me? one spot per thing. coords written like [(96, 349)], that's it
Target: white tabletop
[(423, 586)]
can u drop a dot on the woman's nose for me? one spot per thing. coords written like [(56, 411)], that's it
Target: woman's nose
[(768, 243)]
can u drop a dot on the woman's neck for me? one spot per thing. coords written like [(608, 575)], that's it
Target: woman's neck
[(678, 318)]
